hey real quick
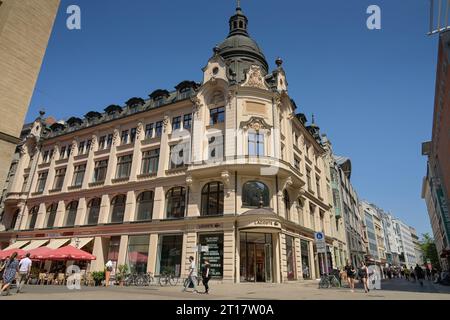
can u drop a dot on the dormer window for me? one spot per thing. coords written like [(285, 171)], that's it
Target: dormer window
[(159, 102), (113, 110), (185, 89), (159, 97), (184, 93)]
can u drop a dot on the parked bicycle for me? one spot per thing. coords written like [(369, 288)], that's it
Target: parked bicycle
[(139, 280), (328, 281), (167, 278)]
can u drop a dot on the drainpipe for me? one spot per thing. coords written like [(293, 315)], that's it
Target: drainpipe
[(235, 227)]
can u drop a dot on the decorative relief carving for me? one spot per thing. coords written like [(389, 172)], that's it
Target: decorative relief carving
[(256, 124), (140, 129), (94, 142), (165, 122), (116, 137), (73, 147), (197, 106), (255, 78), (189, 180)]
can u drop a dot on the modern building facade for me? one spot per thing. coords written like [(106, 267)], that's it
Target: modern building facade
[(390, 239), (436, 184), (25, 27), (223, 169), (417, 247), (405, 244)]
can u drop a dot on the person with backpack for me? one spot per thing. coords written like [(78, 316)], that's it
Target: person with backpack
[(363, 274), (206, 275)]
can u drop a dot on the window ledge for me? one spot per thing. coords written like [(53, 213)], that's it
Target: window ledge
[(147, 175), (176, 170), (101, 152), (74, 188), (96, 184), (118, 180), (125, 146), (81, 156), (61, 161), (44, 165), (37, 193), (55, 190), (150, 140)]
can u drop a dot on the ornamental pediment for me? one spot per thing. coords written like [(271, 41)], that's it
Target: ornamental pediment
[(255, 123), (255, 78)]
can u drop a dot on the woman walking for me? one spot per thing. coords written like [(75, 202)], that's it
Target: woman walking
[(206, 275), (363, 273), (351, 272), (11, 268)]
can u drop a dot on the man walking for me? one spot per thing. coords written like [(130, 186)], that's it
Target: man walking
[(24, 271), (192, 278)]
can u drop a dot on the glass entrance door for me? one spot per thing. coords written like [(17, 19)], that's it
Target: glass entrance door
[(256, 257)]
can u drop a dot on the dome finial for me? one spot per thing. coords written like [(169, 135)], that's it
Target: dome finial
[(238, 6)]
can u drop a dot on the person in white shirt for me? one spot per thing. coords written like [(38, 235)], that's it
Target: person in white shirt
[(192, 278), (24, 271), (109, 268)]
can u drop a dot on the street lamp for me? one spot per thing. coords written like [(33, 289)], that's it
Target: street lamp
[(77, 242)]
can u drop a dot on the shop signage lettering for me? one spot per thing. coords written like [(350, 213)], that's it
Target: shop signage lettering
[(212, 250), (209, 226), (266, 223)]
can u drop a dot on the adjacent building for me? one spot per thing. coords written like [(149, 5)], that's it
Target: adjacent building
[(405, 243), (390, 239), (25, 27), (417, 247), (225, 164), (436, 184)]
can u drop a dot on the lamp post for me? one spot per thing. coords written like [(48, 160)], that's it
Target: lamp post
[(77, 242)]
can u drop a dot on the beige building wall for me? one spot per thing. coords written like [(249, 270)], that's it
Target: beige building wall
[(25, 28)]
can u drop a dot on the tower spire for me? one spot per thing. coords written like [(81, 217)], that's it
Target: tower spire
[(238, 6)]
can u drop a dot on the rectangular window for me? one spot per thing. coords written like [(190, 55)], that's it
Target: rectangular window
[(45, 157), (100, 171), (78, 175), (179, 155), (158, 129), (88, 145), (312, 220), (25, 182), (319, 194), (109, 141), (102, 143), (217, 115), (81, 147), (308, 178), (124, 166), (149, 131), (133, 135), (42, 179), (59, 179), (62, 154), (150, 160), (169, 254), (297, 163), (176, 123), (50, 155), (187, 121), (138, 253), (69, 150), (255, 144), (124, 137)]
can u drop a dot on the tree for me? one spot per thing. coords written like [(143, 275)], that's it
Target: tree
[(429, 250)]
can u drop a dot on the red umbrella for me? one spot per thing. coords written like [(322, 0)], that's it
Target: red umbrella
[(7, 253), (41, 253), (70, 253)]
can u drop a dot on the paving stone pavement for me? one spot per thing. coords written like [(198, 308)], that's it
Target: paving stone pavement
[(396, 289)]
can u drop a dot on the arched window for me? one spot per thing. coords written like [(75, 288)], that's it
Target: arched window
[(175, 202), (255, 194), (93, 211), (144, 208), (118, 208), (212, 199), (287, 204), (51, 215), (71, 214), (32, 217), (12, 226)]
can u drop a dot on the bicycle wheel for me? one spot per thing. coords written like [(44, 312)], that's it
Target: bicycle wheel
[(335, 282), (163, 281), (173, 281), (140, 281)]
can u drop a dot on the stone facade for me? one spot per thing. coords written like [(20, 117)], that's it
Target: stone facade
[(25, 27)]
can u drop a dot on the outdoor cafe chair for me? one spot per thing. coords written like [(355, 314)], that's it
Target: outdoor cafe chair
[(61, 279), (50, 278), (42, 278)]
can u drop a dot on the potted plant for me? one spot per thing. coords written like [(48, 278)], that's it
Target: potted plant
[(122, 273), (98, 277)]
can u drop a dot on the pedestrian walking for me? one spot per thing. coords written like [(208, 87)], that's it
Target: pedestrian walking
[(363, 274), (11, 268), (24, 271), (412, 274), (406, 271), (419, 274), (428, 274), (351, 273), (206, 275), (2, 269), (192, 278), (108, 270)]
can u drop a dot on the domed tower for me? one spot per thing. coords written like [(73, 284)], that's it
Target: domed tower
[(239, 50)]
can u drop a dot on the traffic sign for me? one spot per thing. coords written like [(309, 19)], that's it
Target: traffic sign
[(319, 237)]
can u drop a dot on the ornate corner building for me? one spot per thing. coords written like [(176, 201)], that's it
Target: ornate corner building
[(223, 170)]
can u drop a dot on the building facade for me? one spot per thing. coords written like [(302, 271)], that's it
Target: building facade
[(417, 247), (436, 184), (223, 169), (25, 27), (390, 239), (405, 243)]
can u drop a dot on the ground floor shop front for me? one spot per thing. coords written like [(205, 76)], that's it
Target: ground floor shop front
[(248, 248)]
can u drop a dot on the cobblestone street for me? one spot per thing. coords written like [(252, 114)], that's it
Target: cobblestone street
[(396, 289)]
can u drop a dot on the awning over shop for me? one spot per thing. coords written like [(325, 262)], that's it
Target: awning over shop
[(35, 244), (80, 242), (17, 245), (57, 243)]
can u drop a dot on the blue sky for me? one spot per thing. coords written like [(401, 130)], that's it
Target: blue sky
[(372, 92)]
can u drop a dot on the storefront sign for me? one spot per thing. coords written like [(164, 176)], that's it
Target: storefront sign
[(209, 226), (211, 247)]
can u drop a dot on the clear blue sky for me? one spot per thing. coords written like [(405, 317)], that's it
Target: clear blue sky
[(372, 92)]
